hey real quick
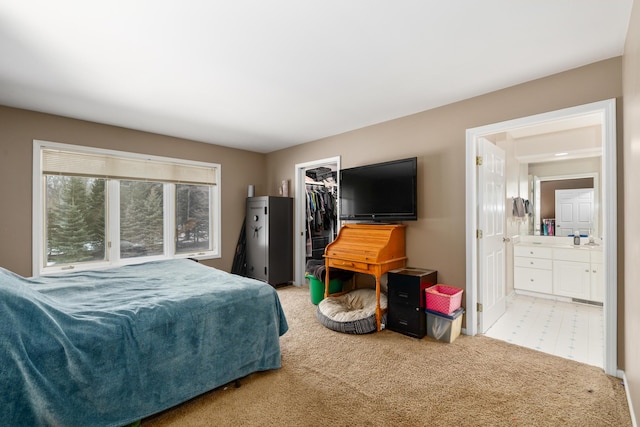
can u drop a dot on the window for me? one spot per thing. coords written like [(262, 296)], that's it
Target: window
[(141, 219), (97, 208), (192, 212), (75, 215)]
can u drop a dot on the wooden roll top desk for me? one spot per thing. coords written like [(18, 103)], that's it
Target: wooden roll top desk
[(367, 248)]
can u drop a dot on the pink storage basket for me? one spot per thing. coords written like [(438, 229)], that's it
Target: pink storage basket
[(443, 298)]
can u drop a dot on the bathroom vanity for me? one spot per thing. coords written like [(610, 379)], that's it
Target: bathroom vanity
[(555, 267)]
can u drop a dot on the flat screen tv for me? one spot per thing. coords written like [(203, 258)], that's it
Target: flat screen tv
[(381, 192)]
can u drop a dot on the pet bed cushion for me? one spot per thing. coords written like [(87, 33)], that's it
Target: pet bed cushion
[(352, 313)]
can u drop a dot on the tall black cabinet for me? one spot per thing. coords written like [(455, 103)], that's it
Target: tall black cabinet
[(269, 239), (406, 300)]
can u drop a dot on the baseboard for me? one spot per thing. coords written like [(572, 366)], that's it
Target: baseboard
[(632, 413)]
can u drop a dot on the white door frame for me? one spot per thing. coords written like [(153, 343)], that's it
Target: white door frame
[(300, 213), (607, 111)]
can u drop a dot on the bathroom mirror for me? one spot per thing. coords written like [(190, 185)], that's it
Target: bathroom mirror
[(543, 191), (564, 156)]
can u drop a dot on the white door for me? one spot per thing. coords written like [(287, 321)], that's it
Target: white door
[(491, 246), (574, 211)]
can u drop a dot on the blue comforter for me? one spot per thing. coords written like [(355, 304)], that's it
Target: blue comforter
[(106, 348)]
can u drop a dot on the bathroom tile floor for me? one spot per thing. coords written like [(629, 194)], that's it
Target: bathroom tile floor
[(570, 330)]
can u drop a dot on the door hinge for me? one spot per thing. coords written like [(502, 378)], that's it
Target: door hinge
[(479, 308), (478, 234), (478, 160), (265, 271)]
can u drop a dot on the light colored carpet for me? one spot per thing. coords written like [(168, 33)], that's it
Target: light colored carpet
[(388, 379)]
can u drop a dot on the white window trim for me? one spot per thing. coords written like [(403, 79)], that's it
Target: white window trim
[(38, 219)]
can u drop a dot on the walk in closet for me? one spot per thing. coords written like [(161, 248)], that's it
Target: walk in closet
[(321, 210)]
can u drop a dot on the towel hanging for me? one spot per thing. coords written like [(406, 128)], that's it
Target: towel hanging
[(518, 207)]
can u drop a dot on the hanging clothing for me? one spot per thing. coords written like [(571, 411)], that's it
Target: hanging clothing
[(321, 215), (518, 207)]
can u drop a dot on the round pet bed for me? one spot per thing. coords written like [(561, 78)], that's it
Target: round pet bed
[(351, 313)]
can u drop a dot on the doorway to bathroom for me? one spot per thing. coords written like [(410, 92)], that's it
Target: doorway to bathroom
[(604, 113)]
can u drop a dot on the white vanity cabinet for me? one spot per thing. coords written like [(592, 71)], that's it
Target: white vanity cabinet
[(532, 268), (597, 276), (561, 271), (572, 273)]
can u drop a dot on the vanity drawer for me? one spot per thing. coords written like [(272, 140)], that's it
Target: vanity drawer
[(578, 255), (533, 279), (532, 251), (542, 263)]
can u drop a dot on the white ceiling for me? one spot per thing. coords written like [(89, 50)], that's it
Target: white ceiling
[(265, 75)]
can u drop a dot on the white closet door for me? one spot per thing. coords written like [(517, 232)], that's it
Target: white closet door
[(574, 211)]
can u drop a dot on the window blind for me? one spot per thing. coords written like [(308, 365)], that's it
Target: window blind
[(59, 162)]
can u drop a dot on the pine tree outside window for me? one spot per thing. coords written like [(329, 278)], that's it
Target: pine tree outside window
[(97, 208), (192, 212), (75, 219)]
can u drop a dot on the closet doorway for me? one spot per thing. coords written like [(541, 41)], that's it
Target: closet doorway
[(303, 246)]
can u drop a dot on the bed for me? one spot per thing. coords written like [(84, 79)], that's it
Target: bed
[(109, 347)]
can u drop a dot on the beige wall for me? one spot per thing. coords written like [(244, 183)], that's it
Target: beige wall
[(437, 138), (631, 151), (18, 129)]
